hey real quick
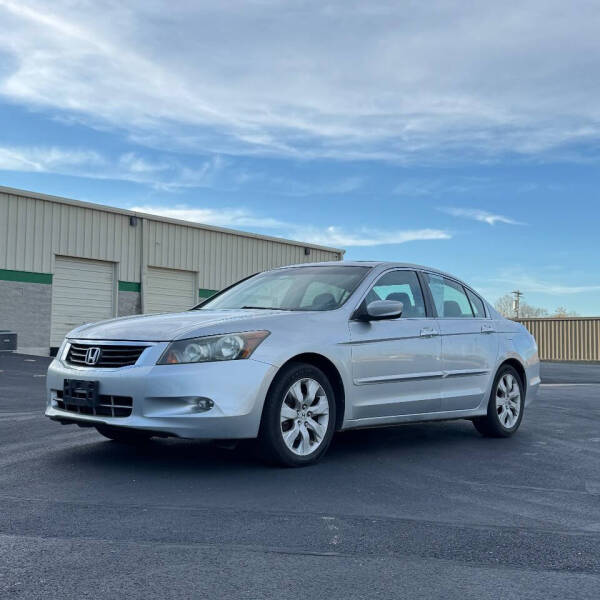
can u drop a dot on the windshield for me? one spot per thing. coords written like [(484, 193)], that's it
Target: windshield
[(296, 288)]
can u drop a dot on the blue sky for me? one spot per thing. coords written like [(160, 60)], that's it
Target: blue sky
[(463, 137)]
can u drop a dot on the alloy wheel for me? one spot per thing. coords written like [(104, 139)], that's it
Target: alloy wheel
[(304, 416), (508, 400)]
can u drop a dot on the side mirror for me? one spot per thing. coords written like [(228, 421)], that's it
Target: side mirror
[(378, 310)]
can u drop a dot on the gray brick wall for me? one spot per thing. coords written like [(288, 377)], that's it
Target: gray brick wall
[(130, 303), (25, 309)]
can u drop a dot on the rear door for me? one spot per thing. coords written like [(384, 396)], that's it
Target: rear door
[(469, 343), (396, 363)]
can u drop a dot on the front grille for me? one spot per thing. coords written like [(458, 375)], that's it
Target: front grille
[(108, 406), (111, 357)]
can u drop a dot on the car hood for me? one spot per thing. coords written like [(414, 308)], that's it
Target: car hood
[(171, 326)]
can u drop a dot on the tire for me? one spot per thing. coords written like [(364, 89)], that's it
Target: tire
[(297, 388), (123, 435), (503, 417)]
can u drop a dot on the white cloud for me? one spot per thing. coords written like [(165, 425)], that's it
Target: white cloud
[(166, 174), (133, 163), (326, 236), (337, 236), (479, 215), (47, 159), (221, 217), (163, 175), (530, 284), (408, 82)]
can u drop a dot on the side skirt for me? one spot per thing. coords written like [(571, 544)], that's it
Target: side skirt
[(453, 415)]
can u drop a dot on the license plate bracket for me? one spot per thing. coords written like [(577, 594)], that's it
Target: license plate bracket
[(77, 392)]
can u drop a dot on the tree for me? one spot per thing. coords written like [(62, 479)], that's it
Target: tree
[(504, 305), (561, 312), (526, 311)]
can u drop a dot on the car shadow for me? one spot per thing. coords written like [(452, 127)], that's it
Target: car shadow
[(179, 456)]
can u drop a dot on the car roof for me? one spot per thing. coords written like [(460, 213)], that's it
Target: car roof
[(369, 263), (381, 266)]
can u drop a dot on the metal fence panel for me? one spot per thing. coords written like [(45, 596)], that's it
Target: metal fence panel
[(573, 338)]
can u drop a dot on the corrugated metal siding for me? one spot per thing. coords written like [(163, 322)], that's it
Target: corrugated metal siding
[(219, 258), (566, 339), (32, 231)]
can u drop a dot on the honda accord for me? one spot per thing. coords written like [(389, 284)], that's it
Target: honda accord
[(291, 355)]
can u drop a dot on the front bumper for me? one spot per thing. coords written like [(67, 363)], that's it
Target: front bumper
[(163, 396)]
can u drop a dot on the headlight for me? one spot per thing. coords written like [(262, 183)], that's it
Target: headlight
[(61, 350), (231, 346)]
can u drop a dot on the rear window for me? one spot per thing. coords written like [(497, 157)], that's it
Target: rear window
[(477, 305), (449, 297)]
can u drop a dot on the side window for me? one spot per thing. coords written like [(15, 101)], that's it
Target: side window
[(477, 305), (403, 286), (449, 298)]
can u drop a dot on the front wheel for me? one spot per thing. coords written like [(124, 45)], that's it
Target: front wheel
[(505, 407), (298, 417), (123, 435)]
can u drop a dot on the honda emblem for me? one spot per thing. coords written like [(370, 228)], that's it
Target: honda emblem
[(92, 356)]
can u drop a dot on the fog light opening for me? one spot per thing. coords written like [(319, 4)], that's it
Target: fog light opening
[(203, 404)]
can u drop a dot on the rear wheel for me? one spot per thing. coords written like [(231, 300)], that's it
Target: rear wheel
[(505, 407), (298, 417), (123, 435)]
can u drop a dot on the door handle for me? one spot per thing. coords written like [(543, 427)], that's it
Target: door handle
[(487, 329), (428, 332)]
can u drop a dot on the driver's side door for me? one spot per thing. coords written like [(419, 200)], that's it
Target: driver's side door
[(396, 363)]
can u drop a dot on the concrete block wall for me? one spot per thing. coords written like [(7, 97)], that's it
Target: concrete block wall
[(130, 303), (25, 309)]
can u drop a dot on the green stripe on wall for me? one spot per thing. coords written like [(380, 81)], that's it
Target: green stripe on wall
[(206, 293), (129, 286), (25, 276), (124, 286)]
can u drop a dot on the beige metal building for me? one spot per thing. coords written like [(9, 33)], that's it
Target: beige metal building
[(65, 262)]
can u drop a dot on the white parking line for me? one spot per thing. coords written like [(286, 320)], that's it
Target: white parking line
[(6, 415), (37, 415), (566, 384)]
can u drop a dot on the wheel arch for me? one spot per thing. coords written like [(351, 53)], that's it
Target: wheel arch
[(519, 368), (332, 373)]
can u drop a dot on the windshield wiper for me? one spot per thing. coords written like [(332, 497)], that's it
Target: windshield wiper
[(262, 308), (258, 307)]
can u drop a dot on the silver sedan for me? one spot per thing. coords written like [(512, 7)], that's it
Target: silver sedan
[(292, 355)]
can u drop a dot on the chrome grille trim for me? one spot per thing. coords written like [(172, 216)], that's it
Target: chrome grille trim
[(112, 356)]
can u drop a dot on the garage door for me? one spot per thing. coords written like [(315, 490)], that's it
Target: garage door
[(169, 290), (83, 291)]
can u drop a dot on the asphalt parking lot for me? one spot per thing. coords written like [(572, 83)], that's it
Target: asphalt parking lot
[(416, 511)]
